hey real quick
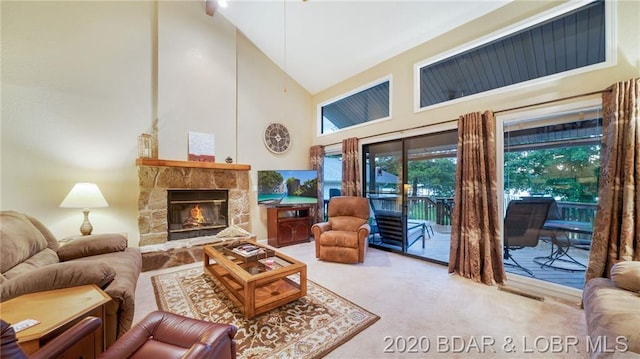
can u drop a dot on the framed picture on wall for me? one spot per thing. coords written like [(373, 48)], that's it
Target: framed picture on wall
[(201, 147)]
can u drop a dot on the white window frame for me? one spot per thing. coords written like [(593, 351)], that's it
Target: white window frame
[(387, 78), (548, 115), (610, 53)]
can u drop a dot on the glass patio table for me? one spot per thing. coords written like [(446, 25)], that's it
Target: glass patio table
[(560, 248)]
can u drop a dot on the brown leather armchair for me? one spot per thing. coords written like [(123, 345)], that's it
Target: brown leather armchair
[(344, 237), (159, 335)]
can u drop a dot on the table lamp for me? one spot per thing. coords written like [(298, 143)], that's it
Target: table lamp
[(85, 196)]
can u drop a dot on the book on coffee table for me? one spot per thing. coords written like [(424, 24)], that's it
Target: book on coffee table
[(246, 250)]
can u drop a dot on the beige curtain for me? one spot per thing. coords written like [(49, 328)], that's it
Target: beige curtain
[(316, 155), (617, 224), (476, 249), (350, 168)]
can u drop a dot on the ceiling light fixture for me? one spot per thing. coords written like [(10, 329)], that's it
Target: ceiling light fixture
[(210, 7)]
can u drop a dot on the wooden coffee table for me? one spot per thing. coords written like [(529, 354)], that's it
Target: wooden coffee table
[(254, 284)]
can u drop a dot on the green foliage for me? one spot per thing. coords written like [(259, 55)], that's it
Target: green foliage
[(570, 173), (438, 176), (306, 189), (269, 181), (389, 164)]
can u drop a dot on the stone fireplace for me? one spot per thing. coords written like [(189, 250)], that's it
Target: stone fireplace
[(160, 178)]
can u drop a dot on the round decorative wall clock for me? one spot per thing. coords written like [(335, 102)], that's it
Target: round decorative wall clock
[(277, 138)]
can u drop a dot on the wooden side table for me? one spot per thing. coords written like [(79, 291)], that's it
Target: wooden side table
[(58, 310)]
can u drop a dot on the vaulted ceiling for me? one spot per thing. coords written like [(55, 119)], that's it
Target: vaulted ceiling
[(323, 42)]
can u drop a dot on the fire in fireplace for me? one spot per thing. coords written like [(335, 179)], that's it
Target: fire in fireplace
[(196, 213)]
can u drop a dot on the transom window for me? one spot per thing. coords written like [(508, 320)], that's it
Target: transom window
[(570, 41), (362, 106)]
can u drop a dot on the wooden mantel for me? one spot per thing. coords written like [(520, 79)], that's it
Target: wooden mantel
[(152, 162)]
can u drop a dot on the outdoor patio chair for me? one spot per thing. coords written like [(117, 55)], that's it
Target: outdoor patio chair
[(392, 230), (553, 212), (561, 240), (522, 228)]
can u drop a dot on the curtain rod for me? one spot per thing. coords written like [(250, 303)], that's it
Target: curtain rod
[(552, 101), (495, 112)]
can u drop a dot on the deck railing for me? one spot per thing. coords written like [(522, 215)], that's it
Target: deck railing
[(436, 210), (576, 211), (439, 210)]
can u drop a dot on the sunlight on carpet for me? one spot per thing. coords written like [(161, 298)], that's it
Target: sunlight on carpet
[(309, 327)]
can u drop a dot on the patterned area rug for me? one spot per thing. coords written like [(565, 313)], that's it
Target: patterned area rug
[(309, 327)]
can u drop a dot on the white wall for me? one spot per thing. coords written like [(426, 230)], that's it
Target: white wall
[(196, 81), (627, 16), (262, 100), (75, 96), (77, 90)]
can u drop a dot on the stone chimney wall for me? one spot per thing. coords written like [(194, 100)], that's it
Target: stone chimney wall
[(152, 196)]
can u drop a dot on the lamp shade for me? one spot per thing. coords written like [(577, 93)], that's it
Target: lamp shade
[(84, 195)]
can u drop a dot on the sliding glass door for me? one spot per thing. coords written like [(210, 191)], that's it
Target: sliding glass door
[(383, 164), (431, 175), (553, 160), (410, 184)]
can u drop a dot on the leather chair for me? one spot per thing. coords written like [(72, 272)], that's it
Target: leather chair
[(167, 335), (344, 237), (159, 335)]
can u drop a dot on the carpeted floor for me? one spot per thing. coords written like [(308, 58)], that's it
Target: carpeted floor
[(420, 302), (309, 327)]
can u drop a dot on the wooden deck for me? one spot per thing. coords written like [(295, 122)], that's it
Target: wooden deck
[(437, 247)]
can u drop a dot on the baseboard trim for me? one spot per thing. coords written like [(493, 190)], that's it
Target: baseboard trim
[(544, 289), (521, 293)]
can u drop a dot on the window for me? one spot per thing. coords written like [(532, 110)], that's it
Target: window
[(570, 41), (332, 176), (555, 160), (410, 184), (370, 104)]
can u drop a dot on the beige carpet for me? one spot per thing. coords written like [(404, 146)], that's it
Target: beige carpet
[(309, 327), (418, 299)]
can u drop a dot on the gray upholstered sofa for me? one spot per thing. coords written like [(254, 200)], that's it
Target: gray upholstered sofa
[(612, 311), (32, 260)]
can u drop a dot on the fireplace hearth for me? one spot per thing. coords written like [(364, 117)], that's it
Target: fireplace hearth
[(196, 212)]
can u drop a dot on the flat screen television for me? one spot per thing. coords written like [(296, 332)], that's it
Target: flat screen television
[(287, 187)]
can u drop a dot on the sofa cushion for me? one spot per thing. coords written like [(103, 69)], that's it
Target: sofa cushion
[(339, 239), (56, 276), (612, 312), (52, 241), (346, 223), (626, 275), (41, 259), (92, 245), (19, 239), (348, 206)]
